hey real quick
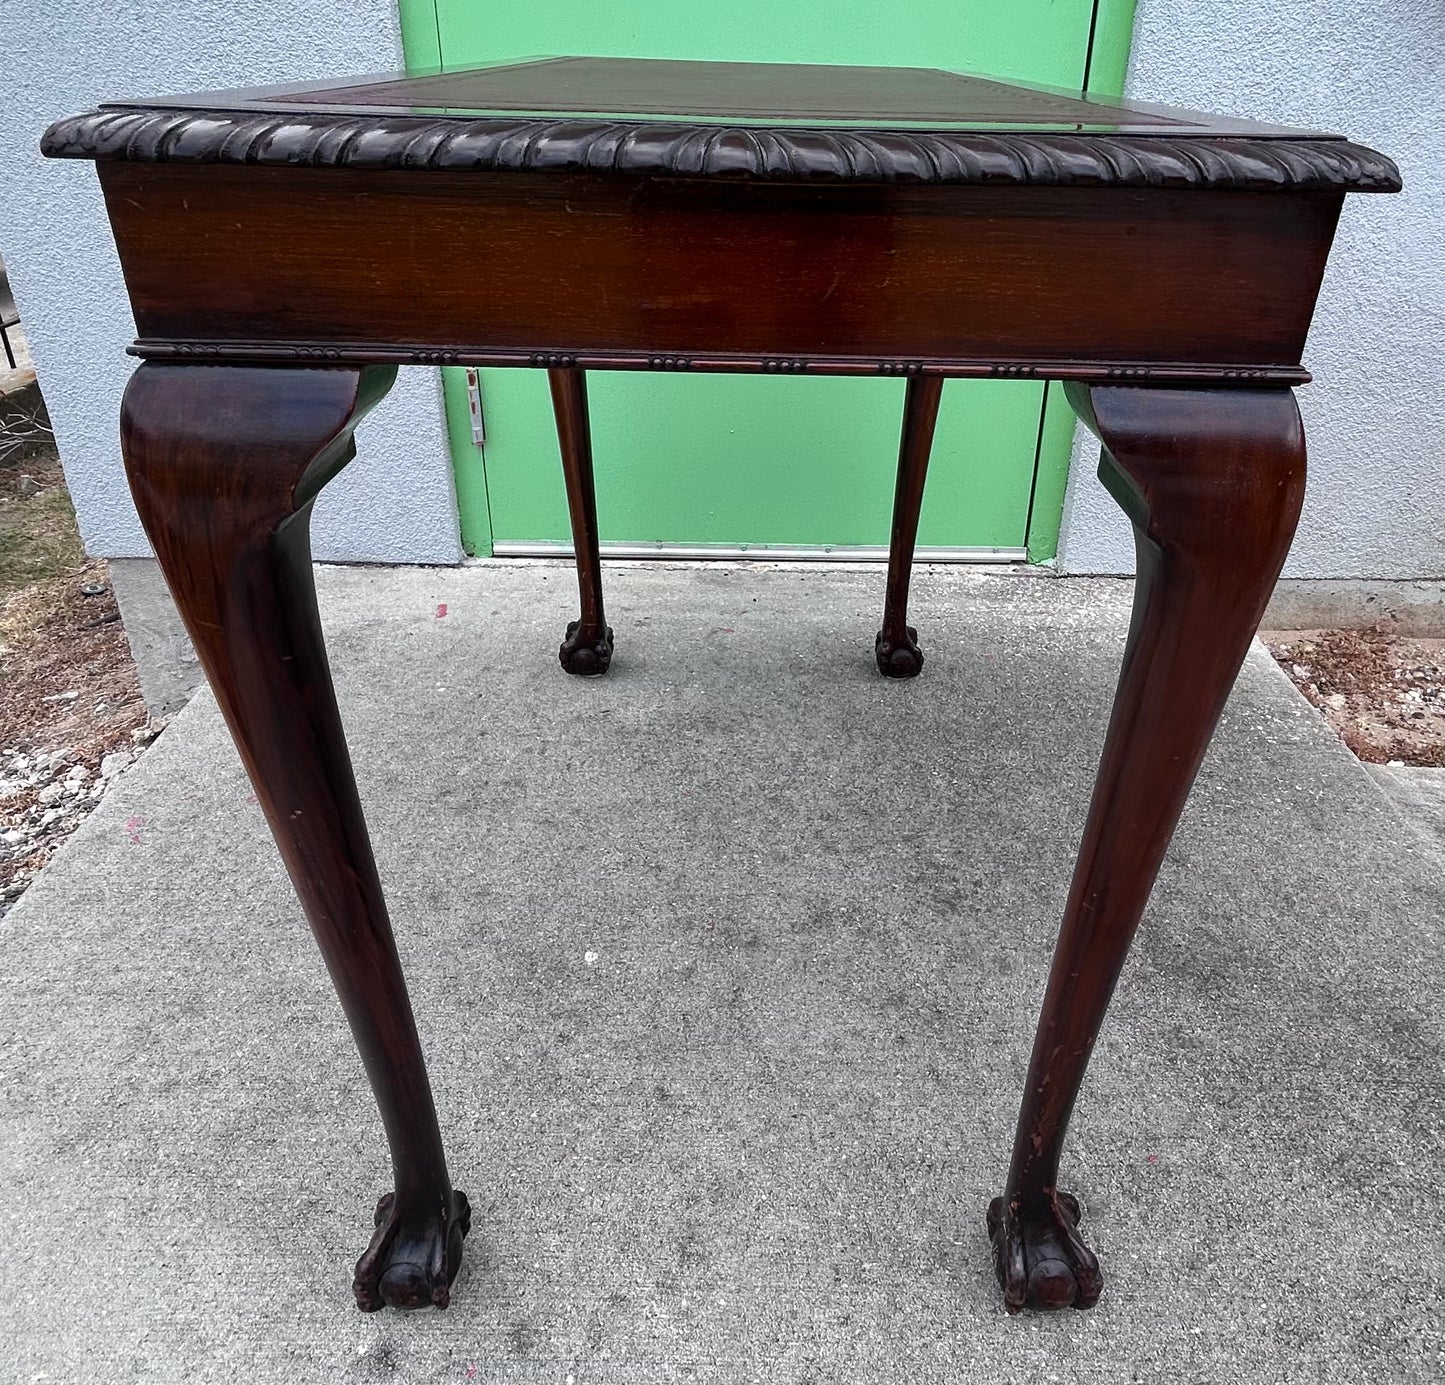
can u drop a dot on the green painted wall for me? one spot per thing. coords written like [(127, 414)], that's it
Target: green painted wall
[(743, 459)]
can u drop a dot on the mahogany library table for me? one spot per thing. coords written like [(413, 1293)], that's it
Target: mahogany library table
[(285, 248)]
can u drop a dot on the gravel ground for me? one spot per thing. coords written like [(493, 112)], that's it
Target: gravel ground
[(71, 714), (1382, 692)]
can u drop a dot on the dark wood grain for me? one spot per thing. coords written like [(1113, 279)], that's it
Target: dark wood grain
[(561, 265), (1213, 482), (896, 648), (587, 648), (224, 464)]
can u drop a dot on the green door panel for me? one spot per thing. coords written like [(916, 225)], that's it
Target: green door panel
[(1036, 40), (733, 460), (741, 459)]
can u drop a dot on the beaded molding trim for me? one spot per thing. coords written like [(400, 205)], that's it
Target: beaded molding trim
[(386, 353)]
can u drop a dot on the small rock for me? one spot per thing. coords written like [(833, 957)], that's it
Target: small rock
[(27, 487), (52, 793), (114, 763), (61, 697), (1338, 701), (76, 773), (13, 837)]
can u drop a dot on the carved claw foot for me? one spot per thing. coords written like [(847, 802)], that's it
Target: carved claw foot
[(412, 1261), (584, 653), (901, 660), (1041, 1261)]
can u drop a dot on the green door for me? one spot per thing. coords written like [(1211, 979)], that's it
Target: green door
[(758, 462)]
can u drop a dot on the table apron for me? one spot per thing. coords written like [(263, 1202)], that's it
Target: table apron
[(264, 263)]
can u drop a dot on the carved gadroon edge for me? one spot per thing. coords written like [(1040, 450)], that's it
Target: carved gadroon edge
[(712, 151)]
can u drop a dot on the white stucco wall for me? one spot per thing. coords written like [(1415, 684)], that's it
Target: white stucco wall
[(1373, 70), (57, 57)]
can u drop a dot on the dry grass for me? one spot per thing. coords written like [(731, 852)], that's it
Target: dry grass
[(39, 544), (68, 686)]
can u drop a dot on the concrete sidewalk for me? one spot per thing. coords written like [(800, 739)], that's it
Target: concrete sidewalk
[(728, 966)]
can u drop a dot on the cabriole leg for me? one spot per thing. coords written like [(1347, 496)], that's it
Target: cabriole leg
[(1212, 480), (224, 463), (587, 650), (896, 647)]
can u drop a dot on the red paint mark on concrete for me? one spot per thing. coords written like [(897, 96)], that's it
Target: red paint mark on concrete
[(133, 829), (1153, 1158), (441, 610)]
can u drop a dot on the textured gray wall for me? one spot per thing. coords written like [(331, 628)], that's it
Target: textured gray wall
[(1374, 70), (395, 502)]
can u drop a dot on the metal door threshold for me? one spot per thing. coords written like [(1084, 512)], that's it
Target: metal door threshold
[(765, 552)]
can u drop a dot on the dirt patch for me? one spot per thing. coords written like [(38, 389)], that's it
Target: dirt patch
[(1383, 693), (71, 714)]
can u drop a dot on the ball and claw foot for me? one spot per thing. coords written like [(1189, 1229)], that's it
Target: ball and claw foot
[(903, 659), (411, 1263), (584, 653), (1040, 1260)]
